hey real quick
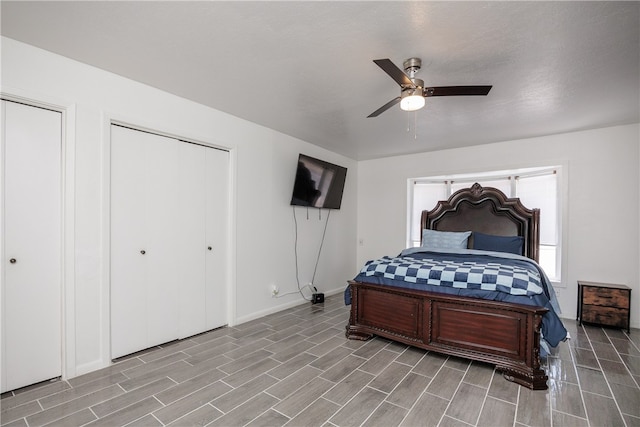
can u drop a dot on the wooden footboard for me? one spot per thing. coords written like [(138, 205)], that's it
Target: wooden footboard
[(504, 334)]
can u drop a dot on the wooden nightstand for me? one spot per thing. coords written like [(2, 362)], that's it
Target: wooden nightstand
[(605, 304)]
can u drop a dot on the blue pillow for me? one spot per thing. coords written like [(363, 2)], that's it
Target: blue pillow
[(435, 240), (488, 242)]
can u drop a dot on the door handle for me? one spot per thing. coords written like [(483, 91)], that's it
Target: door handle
[(13, 260)]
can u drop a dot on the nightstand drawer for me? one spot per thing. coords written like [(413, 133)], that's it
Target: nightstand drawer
[(606, 297), (609, 316)]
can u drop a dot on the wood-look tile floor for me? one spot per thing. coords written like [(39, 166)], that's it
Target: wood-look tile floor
[(296, 368)]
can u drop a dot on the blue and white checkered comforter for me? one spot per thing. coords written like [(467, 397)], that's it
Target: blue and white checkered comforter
[(472, 273), (477, 273)]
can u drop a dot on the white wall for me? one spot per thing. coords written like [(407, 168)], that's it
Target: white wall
[(263, 165), (602, 228)]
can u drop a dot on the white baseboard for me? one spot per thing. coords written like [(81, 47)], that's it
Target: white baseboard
[(281, 307)]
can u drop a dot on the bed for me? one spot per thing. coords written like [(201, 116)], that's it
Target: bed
[(505, 322)]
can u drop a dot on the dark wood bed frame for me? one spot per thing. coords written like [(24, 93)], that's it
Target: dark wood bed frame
[(504, 334)]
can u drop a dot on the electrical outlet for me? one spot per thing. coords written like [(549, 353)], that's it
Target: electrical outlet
[(274, 291)]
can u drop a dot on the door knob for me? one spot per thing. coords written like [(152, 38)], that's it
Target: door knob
[(209, 247), (143, 252), (12, 260)]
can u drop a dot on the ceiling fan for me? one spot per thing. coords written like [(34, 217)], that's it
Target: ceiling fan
[(413, 91)]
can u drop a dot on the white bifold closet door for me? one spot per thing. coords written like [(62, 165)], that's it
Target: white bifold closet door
[(169, 212), (31, 230)]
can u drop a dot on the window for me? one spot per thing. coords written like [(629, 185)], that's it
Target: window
[(536, 188)]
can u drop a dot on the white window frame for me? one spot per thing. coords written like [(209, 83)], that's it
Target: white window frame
[(511, 175)]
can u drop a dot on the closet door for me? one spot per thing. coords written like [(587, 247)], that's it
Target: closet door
[(163, 200), (162, 236), (142, 240), (31, 287), (190, 235), (128, 242), (217, 235)]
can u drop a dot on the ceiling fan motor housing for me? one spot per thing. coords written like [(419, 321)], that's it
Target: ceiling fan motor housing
[(416, 89)]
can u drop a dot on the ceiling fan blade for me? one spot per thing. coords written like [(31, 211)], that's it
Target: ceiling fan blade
[(385, 107), (456, 90), (394, 72)]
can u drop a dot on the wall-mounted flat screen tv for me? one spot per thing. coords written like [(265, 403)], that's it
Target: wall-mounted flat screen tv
[(318, 184)]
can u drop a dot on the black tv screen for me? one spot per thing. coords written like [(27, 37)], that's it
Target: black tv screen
[(318, 184)]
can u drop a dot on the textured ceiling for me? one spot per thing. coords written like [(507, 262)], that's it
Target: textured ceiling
[(305, 68)]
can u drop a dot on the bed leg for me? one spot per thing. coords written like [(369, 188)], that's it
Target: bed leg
[(535, 381), (352, 333)]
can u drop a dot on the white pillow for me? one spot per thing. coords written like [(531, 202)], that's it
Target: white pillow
[(434, 240)]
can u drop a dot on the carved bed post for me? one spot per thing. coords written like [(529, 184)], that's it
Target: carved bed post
[(532, 375), (352, 331)]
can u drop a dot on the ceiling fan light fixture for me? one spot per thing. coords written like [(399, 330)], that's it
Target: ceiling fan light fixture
[(412, 102)]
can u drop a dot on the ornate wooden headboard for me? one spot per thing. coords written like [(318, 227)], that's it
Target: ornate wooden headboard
[(486, 210)]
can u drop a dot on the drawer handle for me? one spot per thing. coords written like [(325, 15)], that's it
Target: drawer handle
[(143, 252), (13, 260)]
